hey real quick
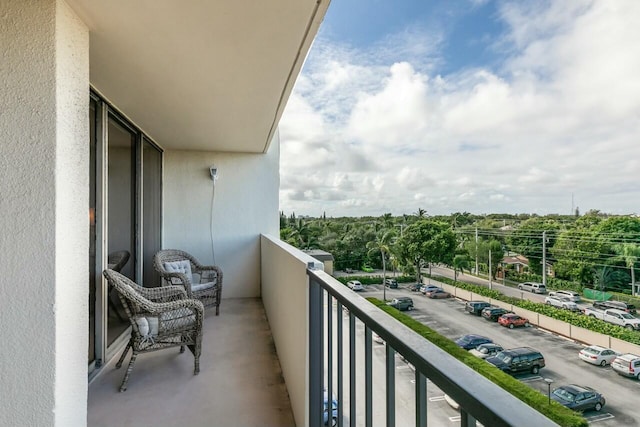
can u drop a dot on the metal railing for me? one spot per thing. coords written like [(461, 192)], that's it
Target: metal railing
[(478, 398)]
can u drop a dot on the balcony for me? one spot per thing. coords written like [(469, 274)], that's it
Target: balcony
[(323, 341), (240, 383)]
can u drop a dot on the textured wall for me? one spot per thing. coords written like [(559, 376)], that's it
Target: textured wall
[(43, 214), (245, 205)]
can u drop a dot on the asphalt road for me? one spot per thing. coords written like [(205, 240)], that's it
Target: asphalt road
[(562, 364)]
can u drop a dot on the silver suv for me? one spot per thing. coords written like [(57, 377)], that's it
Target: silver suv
[(627, 365), (561, 302), (537, 288)]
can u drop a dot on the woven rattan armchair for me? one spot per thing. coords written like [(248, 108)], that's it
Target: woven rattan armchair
[(203, 282), (160, 318)]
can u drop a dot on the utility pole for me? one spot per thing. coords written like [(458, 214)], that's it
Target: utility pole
[(490, 281), (476, 250), (544, 258)]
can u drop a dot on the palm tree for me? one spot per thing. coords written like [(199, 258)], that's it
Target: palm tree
[(421, 213), (460, 262), (630, 253), (382, 244)]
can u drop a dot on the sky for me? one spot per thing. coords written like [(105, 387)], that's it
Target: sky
[(480, 106)]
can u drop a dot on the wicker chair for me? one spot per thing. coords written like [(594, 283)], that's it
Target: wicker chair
[(203, 282), (160, 318)]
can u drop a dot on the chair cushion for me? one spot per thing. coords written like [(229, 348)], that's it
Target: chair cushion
[(183, 266)]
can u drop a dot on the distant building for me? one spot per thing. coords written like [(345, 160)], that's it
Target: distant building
[(325, 257), (520, 263)]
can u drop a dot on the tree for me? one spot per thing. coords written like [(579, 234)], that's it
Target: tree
[(460, 262), (382, 244), (427, 241), (629, 252)]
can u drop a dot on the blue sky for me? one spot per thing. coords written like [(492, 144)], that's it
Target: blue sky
[(466, 105)]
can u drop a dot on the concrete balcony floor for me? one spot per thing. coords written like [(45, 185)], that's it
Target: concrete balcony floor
[(240, 381)]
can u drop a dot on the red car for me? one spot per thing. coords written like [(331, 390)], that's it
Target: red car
[(511, 320), (438, 293)]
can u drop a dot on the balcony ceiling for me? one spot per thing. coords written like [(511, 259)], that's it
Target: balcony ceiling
[(200, 75)]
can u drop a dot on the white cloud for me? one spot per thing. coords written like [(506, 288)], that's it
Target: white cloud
[(368, 132)]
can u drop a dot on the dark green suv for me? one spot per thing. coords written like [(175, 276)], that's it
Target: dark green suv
[(515, 360), (401, 303)]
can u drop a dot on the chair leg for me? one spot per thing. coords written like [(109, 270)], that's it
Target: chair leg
[(124, 353), (123, 386), (181, 349), (196, 368)]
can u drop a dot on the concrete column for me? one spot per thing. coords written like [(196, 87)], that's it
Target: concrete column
[(44, 193)]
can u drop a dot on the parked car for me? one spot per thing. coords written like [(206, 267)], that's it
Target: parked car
[(537, 288), (427, 288), (493, 312), (515, 360), (597, 355), (415, 287), (573, 296), (561, 302), (391, 283), (578, 398), (476, 307), (627, 365), (355, 285), (471, 341), (438, 293), (615, 316), (401, 303), (511, 320), (618, 305), (486, 350), (330, 417)]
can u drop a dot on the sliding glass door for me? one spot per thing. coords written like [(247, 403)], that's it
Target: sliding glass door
[(125, 221)]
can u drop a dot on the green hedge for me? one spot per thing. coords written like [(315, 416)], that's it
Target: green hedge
[(374, 280), (558, 413), (575, 319)]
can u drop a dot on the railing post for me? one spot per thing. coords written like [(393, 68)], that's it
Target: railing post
[(329, 408), (315, 354), (466, 420), (421, 400), (340, 366), (368, 378), (391, 386), (352, 370)]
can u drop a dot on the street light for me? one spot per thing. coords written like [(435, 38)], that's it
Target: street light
[(549, 381)]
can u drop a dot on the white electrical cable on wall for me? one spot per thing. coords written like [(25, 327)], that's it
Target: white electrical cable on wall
[(213, 195)]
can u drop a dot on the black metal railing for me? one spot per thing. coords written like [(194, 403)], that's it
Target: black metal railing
[(478, 398)]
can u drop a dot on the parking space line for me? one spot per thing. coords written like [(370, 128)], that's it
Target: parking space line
[(531, 379), (600, 417)]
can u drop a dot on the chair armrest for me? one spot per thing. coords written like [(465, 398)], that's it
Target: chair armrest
[(183, 278), (195, 305), (164, 293), (207, 268)]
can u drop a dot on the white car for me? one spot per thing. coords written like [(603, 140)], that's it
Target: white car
[(561, 302), (355, 285), (597, 355), (573, 296)]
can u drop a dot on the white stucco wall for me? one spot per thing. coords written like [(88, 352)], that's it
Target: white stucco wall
[(44, 157), (285, 284), (245, 206)]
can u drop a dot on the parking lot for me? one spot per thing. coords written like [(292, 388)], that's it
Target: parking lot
[(562, 364)]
